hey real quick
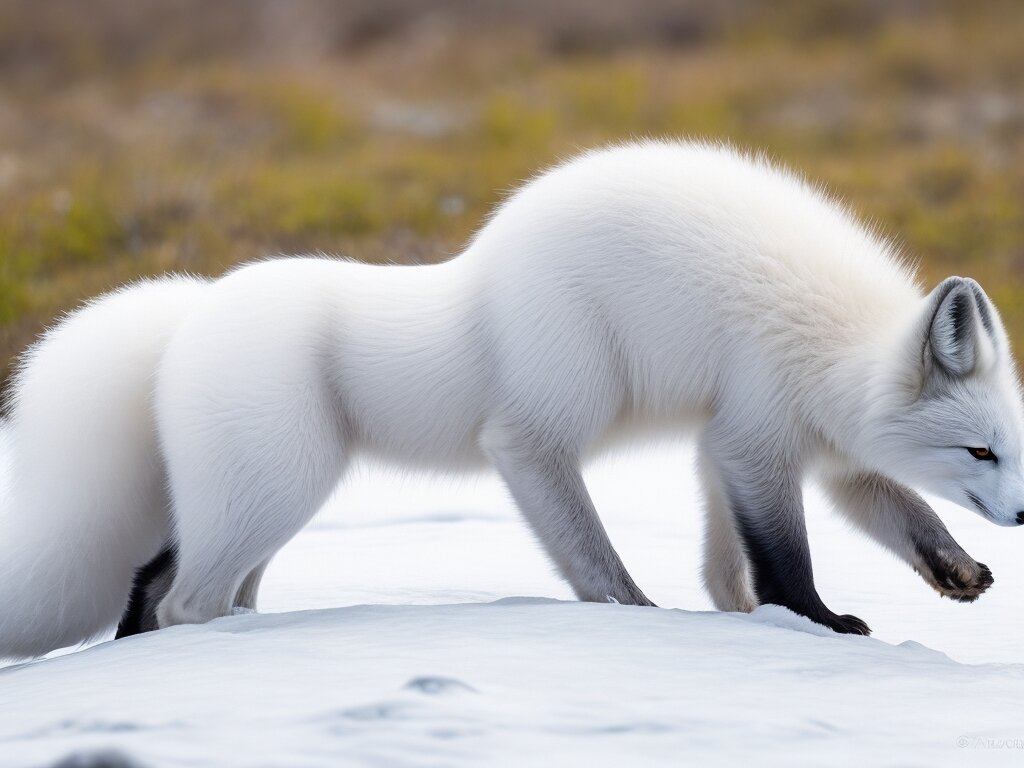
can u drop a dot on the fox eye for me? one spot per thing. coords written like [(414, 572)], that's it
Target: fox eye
[(982, 454)]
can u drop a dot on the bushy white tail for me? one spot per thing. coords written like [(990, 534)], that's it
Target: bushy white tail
[(85, 503)]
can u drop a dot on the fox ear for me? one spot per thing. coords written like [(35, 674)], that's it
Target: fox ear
[(962, 328)]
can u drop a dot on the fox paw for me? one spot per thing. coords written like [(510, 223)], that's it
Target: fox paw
[(819, 613), (847, 625), (956, 575)]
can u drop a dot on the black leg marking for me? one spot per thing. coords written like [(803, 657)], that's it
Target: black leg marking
[(780, 563), (150, 585)]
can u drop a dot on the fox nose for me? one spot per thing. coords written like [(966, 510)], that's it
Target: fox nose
[(1020, 518)]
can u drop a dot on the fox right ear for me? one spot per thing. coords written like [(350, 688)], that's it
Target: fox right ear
[(960, 332)]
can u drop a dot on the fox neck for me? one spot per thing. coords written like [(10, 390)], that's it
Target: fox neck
[(888, 380)]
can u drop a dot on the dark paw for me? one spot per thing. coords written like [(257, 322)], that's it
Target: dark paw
[(956, 576), (844, 625), (968, 588), (847, 625)]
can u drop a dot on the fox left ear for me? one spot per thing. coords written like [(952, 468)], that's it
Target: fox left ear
[(962, 330)]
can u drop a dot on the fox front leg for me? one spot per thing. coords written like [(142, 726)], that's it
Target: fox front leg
[(726, 567), (767, 506), (901, 521)]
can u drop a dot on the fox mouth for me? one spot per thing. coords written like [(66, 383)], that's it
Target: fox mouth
[(980, 505)]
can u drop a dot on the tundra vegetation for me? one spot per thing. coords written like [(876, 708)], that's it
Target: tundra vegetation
[(142, 137)]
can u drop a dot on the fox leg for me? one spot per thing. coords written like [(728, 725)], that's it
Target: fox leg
[(765, 496), (902, 522), (242, 486), (549, 490), (725, 570), (247, 592), (150, 585)]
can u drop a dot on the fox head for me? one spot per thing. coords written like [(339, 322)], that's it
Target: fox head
[(952, 423)]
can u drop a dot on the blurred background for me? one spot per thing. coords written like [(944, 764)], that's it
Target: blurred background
[(138, 137)]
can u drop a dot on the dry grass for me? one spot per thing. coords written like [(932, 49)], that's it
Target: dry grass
[(137, 138)]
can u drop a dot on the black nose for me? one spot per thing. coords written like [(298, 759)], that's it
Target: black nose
[(1020, 518)]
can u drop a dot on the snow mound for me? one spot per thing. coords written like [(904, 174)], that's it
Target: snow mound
[(514, 682)]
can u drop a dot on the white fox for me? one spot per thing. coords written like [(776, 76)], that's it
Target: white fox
[(197, 425)]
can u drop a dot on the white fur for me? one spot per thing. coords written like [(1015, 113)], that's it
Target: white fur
[(649, 285)]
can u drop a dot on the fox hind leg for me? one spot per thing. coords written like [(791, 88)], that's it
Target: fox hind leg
[(151, 583), (240, 495), (248, 591)]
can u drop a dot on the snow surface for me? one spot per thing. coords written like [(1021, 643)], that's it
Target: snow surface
[(416, 623)]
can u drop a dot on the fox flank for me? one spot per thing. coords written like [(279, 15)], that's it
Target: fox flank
[(170, 437)]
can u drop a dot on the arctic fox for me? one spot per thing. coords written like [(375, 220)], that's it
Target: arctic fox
[(170, 437)]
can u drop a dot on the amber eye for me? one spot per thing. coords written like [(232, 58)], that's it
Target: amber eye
[(982, 454)]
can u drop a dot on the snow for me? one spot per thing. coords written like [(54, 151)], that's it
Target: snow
[(416, 623)]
